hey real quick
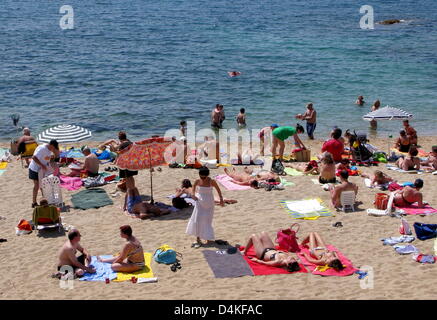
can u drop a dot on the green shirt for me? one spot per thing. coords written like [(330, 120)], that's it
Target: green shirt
[(283, 133)]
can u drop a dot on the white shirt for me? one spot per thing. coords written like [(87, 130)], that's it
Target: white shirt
[(43, 154)]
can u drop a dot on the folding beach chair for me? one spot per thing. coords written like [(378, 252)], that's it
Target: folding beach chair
[(347, 200), (51, 190), (46, 217), (388, 211)]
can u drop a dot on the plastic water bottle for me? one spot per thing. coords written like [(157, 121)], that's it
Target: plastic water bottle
[(147, 280)]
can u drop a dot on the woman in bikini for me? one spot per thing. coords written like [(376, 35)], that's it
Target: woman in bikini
[(319, 254), (268, 255), (131, 258), (410, 162), (327, 169), (409, 195)]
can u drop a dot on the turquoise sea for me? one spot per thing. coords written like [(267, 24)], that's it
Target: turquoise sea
[(143, 66)]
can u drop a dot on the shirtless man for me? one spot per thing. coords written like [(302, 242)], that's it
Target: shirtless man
[(431, 162), (409, 195), (411, 133), (115, 146), (344, 186), (91, 164), (26, 138), (310, 116), (217, 116), (67, 255)]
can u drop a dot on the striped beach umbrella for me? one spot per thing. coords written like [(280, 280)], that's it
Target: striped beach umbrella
[(64, 134), (387, 113)]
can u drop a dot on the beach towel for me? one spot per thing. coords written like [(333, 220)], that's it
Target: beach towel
[(225, 265), (3, 165), (226, 182), (43, 214), (146, 272), (260, 269), (293, 172), (308, 209), (325, 270), (70, 183), (91, 198), (286, 183), (394, 168), (395, 240), (421, 153), (408, 249), (413, 209), (103, 270), (2, 171)]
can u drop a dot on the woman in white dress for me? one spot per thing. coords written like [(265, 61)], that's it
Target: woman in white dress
[(200, 224)]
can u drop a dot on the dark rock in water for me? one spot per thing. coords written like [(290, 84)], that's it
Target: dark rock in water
[(390, 21)]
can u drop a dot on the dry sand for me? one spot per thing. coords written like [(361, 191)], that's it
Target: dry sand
[(27, 261)]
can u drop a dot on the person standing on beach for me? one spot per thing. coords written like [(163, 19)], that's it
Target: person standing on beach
[(376, 105), (241, 118), (280, 134), (411, 133), (200, 224), (40, 163), (310, 117), (265, 133)]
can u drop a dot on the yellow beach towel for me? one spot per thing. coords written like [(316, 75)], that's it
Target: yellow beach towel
[(3, 165), (146, 272)]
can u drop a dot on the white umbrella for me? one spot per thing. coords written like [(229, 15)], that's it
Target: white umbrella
[(64, 134), (387, 113)]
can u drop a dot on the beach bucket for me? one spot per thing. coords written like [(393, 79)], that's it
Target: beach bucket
[(381, 201)]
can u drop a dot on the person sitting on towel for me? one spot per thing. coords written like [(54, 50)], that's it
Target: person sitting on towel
[(67, 255), (136, 207), (403, 143), (267, 254), (131, 258), (344, 186), (91, 164), (319, 254), (431, 162), (187, 190), (378, 179), (409, 195), (410, 162)]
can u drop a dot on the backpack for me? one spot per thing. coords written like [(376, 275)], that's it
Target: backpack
[(287, 239), (425, 231), (166, 254), (278, 167)]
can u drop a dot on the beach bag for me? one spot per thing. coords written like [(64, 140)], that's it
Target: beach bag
[(381, 201), (405, 227), (302, 155), (166, 254), (425, 231), (278, 167), (287, 239)]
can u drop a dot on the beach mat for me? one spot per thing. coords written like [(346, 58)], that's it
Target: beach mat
[(3, 165), (103, 270), (2, 171), (146, 272), (225, 265), (293, 172), (308, 209), (226, 182), (324, 270), (421, 153), (413, 209), (260, 269), (394, 168), (70, 183), (91, 198), (287, 183)]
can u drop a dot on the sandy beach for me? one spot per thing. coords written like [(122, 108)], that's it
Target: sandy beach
[(28, 261)]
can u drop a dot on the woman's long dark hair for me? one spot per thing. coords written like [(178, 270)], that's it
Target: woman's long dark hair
[(186, 183)]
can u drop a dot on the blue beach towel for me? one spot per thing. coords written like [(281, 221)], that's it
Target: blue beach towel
[(103, 270)]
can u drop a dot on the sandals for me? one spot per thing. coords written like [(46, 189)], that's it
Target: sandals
[(111, 169), (338, 224), (175, 266), (196, 245)]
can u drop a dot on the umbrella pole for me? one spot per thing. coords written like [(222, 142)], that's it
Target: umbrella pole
[(151, 178)]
